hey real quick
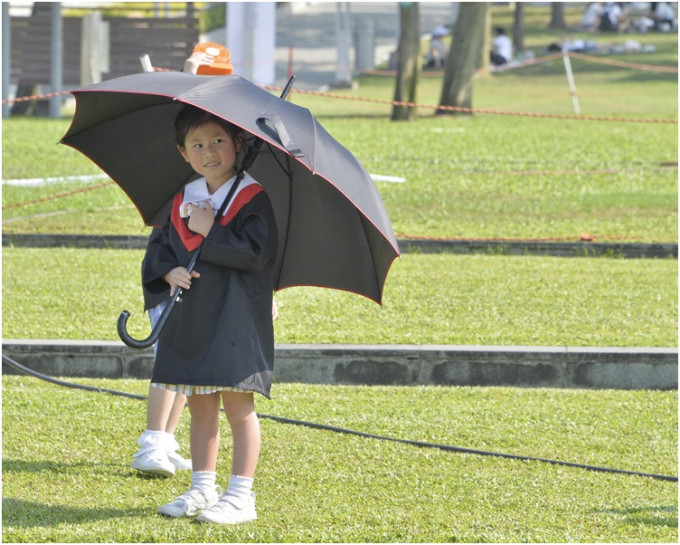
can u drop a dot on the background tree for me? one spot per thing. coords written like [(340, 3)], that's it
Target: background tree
[(518, 28), (464, 56), (557, 16), (408, 61)]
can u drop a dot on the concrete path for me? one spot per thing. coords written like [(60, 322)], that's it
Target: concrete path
[(429, 245), (309, 28), (306, 34), (548, 366)]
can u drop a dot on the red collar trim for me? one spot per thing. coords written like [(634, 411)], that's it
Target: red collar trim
[(192, 240)]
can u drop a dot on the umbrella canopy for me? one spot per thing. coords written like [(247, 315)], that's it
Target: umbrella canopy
[(333, 228)]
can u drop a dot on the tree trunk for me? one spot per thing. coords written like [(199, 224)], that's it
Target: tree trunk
[(463, 58), (518, 28), (408, 62), (557, 16)]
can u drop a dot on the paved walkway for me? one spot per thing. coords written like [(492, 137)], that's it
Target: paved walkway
[(402, 365), (428, 245), (308, 29)]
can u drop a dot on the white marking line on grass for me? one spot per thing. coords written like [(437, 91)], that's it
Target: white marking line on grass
[(385, 178), (27, 182)]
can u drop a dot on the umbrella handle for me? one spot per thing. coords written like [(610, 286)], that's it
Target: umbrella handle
[(155, 333)]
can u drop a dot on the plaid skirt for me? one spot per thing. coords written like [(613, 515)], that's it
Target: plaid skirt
[(189, 389)]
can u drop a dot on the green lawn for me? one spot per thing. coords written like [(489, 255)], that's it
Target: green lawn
[(429, 299), (66, 453), (480, 176), (66, 475), (476, 178)]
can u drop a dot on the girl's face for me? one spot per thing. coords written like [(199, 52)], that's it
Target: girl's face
[(211, 152)]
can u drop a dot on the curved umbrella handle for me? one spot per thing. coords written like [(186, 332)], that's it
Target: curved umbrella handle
[(155, 333)]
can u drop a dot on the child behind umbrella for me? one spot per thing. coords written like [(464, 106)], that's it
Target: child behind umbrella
[(218, 344)]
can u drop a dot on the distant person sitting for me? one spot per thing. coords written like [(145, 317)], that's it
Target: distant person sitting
[(663, 15), (436, 54), (501, 45), (591, 16), (612, 18)]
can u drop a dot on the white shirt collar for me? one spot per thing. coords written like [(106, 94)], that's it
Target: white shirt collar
[(197, 191)]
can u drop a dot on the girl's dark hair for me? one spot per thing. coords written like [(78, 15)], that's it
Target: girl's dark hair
[(191, 117)]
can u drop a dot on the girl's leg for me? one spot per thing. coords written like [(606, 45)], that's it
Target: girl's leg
[(205, 430), (161, 410), (165, 406), (205, 440), (158, 448), (245, 431), (237, 504), (175, 412)]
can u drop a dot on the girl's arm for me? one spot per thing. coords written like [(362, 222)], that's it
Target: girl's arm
[(158, 261)]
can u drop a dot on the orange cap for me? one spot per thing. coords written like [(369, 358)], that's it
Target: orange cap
[(221, 64)]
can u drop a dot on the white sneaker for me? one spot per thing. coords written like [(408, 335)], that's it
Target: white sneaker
[(230, 510), (192, 502), (154, 461), (178, 461)]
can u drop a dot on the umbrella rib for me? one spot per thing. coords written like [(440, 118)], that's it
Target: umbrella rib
[(290, 204), (368, 242), (287, 170)]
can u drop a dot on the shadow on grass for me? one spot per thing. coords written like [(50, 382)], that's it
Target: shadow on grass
[(666, 515), (21, 513), (28, 514), (32, 466)]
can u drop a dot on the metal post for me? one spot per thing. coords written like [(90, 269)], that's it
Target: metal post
[(247, 44), (6, 57), (342, 72), (364, 57), (570, 79), (56, 58)]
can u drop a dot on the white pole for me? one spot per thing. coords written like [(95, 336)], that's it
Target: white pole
[(570, 79), (342, 73), (6, 58), (56, 61)]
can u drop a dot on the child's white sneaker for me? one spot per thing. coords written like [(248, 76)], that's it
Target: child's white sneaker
[(230, 509), (191, 503), (179, 462), (154, 461), (157, 454)]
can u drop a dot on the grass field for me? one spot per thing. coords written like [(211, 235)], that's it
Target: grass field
[(66, 453), (429, 299), (476, 178), (71, 482)]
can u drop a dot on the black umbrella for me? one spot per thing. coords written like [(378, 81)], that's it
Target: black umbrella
[(333, 228)]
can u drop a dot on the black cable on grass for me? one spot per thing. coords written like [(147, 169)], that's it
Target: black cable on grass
[(325, 427)]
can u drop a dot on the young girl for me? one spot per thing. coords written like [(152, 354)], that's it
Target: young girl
[(218, 344)]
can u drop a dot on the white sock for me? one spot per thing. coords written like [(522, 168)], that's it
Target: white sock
[(159, 439), (152, 437), (239, 486), (203, 480)]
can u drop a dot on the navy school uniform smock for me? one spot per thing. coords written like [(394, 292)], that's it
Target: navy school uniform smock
[(221, 332)]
